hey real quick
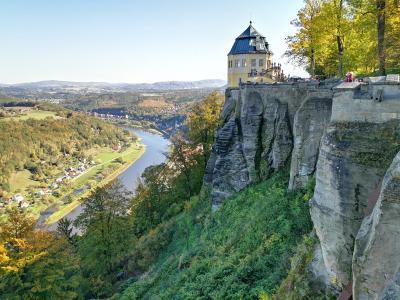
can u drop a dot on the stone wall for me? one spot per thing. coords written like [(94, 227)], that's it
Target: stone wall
[(356, 105)]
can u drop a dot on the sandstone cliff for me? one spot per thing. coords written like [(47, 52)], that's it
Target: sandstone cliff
[(352, 161), (376, 261), (310, 123), (256, 136), (346, 136)]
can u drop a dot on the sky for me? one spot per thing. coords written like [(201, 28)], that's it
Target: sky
[(133, 41)]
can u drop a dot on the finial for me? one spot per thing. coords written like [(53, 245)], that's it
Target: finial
[(251, 22)]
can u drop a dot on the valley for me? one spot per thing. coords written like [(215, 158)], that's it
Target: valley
[(48, 172)]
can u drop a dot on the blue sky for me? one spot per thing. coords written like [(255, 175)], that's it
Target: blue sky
[(133, 41)]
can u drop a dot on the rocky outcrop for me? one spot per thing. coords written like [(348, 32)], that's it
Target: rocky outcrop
[(310, 122), (352, 161), (376, 261), (348, 139), (254, 142), (255, 138)]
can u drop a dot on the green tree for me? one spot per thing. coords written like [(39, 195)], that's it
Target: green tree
[(202, 121), (106, 238)]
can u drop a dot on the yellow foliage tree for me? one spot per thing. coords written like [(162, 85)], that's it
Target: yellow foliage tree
[(335, 36)]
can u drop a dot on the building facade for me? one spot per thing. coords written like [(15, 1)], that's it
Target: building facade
[(250, 60)]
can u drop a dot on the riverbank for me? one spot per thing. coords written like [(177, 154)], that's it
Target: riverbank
[(128, 156)]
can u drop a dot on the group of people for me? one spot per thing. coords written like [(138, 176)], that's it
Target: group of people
[(349, 77)]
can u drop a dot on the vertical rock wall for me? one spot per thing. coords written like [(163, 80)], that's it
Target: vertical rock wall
[(352, 161), (256, 139), (376, 261), (310, 123)]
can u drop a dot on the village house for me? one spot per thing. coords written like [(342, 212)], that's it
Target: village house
[(23, 204), (18, 198)]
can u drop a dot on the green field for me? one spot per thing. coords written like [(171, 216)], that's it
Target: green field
[(106, 158), (34, 114), (19, 181)]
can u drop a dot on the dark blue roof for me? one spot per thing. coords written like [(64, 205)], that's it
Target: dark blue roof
[(250, 41), (250, 32)]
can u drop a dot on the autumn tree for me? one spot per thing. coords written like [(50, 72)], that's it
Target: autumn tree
[(35, 264), (303, 46), (340, 35), (202, 121)]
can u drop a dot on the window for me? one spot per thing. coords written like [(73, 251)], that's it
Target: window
[(261, 63), (243, 62), (230, 64), (236, 63), (254, 63)]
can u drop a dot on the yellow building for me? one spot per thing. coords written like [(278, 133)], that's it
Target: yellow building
[(250, 60)]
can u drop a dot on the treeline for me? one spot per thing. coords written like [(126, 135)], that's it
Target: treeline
[(337, 36), (122, 235), (40, 146)]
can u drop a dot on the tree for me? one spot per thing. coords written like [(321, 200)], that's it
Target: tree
[(65, 230), (339, 12), (381, 21), (303, 45), (34, 264), (202, 121), (106, 236)]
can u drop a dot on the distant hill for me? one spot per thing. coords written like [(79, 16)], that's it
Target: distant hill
[(101, 87)]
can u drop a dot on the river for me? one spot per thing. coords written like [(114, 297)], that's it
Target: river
[(156, 148)]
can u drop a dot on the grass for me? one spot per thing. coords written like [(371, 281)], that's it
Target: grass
[(19, 181), (34, 114), (107, 158)]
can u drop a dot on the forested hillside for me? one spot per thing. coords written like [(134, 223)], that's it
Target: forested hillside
[(44, 144), (50, 156)]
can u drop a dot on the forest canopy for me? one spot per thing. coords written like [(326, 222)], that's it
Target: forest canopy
[(337, 36)]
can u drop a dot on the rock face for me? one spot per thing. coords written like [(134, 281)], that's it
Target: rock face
[(376, 261), (348, 138), (310, 123), (352, 161), (254, 141), (256, 138), (359, 144)]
